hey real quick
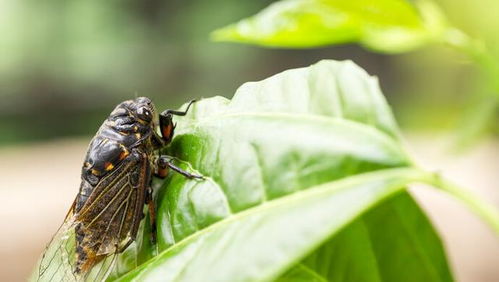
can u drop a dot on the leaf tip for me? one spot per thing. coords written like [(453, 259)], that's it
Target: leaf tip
[(224, 34)]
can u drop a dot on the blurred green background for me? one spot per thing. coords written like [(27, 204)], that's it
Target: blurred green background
[(65, 64)]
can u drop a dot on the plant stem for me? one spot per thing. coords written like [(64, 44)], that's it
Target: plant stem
[(484, 210)]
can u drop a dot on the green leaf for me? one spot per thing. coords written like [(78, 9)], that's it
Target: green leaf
[(298, 168), (383, 25), (360, 249), (262, 242), (300, 273), (262, 153)]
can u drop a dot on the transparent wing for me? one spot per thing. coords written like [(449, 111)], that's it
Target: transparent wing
[(109, 220), (58, 260), (102, 270)]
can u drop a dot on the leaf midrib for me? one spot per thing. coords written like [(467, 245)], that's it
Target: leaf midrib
[(391, 140)]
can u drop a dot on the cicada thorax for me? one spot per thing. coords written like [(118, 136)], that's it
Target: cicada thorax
[(115, 175)]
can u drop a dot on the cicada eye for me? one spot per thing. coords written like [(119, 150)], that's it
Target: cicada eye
[(144, 114)]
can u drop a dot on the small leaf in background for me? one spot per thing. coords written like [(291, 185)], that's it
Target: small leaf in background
[(389, 26)]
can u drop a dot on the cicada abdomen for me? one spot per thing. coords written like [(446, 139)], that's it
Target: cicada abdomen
[(115, 186)]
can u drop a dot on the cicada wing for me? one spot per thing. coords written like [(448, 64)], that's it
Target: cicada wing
[(102, 270), (87, 244), (58, 260), (111, 216), (109, 244)]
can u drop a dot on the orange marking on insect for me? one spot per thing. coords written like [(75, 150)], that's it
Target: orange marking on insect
[(167, 130), (162, 172), (95, 172), (135, 128), (87, 164), (137, 135), (108, 166), (123, 154)]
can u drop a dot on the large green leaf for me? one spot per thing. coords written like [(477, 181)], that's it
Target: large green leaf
[(281, 135), (297, 170), (382, 25), (273, 141)]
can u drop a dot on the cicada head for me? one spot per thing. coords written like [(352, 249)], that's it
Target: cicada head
[(133, 119), (143, 110)]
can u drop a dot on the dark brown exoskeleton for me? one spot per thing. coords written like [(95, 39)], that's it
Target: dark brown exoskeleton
[(115, 186)]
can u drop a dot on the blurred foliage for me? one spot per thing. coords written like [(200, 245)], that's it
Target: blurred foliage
[(64, 65), (388, 26)]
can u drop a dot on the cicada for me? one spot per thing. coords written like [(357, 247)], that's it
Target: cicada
[(115, 187)]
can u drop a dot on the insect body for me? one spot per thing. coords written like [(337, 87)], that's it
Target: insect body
[(115, 186)]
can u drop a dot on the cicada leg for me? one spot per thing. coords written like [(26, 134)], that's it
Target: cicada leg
[(165, 162), (152, 213), (166, 125)]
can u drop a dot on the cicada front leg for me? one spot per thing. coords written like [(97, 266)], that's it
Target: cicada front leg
[(166, 125)]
